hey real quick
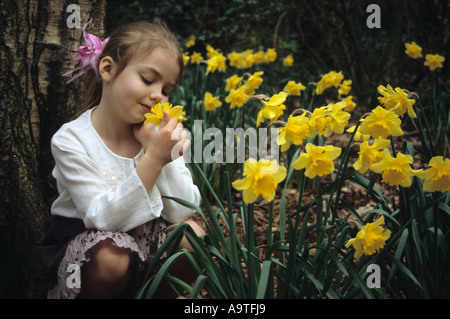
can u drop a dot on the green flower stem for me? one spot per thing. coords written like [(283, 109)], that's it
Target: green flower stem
[(251, 251), (394, 153), (269, 226)]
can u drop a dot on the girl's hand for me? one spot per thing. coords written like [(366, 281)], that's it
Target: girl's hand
[(166, 144)]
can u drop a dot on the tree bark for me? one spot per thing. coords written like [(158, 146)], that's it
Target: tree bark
[(36, 48)]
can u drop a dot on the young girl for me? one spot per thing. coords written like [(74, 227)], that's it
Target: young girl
[(112, 171)]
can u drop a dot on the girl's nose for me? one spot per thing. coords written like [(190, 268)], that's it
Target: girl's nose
[(156, 96)]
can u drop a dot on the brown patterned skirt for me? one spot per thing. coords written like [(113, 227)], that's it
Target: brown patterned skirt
[(65, 248)]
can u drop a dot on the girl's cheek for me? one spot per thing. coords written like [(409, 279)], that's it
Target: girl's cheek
[(134, 90)]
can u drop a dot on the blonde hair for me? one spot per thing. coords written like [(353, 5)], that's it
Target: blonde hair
[(127, 42)]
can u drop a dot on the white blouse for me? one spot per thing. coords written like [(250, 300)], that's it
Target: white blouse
[(103, 189)]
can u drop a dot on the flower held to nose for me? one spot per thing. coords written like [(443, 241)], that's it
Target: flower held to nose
[(156, 115)]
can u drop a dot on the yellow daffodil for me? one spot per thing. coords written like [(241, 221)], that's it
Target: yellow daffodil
[(396, 100), (232, 82), (186, 58), (339, 119), (241, 60), (350, 105), (196, 57), (156, 115), (293, 88), (336, 78), (437, 175), (233, 58), (259, 56), (319, 121), (216, 62), (237, 60), (330, 79), (381, 123), (369, 239), (236, 97), (413, 50), (295, 131), (249, 61), (249, 58), (272, 109), (288, 61), (261, 178), (317, 160), (370, 154), (345, 87), (253, 82), (190, 42), (210, 51), (434, 61), (271, 55), (396, 170), (211, 102)]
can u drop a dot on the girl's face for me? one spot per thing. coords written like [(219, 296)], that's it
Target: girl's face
[(143, 83)]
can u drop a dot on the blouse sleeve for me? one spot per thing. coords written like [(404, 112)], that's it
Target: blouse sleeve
[(175, 180), (100, 207)]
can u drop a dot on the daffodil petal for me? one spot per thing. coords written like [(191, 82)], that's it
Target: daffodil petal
[(249, 196), (242, 184)]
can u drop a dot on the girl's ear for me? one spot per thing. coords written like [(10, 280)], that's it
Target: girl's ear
[(105, 68)]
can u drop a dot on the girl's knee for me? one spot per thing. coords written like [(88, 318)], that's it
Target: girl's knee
[(109, 262), (195, 227)]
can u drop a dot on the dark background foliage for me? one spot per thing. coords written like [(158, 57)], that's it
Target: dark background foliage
[(322, 35)]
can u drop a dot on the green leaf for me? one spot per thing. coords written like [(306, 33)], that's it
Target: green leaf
[(264, 279), (399, 251), (198, 286), (161, 273)]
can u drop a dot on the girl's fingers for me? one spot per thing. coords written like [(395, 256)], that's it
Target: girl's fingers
[(184, 134), (179, 133), (185, 147), (165, 119), (181, 147)]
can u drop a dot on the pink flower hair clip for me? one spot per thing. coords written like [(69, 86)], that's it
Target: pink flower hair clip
[(88, 53)]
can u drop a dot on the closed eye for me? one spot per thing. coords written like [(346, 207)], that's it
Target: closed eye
[(165, 92), (146, 81)]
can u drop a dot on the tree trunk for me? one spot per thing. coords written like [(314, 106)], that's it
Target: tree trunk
[(36, 48)]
